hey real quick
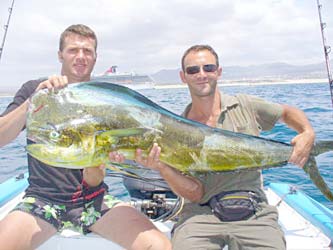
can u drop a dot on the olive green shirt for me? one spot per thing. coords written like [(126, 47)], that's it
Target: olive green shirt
[(244, 114)]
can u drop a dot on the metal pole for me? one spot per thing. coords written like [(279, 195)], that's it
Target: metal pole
[(10, 10), (327, 50)]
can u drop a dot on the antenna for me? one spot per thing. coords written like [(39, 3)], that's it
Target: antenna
[(327, 50), (10, 10)]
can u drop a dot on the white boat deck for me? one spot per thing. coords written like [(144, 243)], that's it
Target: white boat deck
[(299, 233)]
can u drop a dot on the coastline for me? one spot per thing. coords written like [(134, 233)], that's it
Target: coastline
[(5, 94), (249, 83), (245, 82)]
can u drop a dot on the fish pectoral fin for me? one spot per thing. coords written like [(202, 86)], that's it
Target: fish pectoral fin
[(122, 168), (123, 132)]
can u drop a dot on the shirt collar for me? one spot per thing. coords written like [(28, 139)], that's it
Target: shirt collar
[(227, 101)]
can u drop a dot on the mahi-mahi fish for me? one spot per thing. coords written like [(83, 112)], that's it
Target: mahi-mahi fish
[(76, 127)]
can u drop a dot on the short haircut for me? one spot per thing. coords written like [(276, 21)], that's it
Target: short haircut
[(78, 29), (196, 48)]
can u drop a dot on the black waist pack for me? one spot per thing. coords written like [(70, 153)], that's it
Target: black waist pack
[(234, 206)]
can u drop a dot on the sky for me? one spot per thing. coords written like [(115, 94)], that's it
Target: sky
[(146, 36)]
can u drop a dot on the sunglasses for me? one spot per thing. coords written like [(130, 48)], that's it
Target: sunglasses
[(191, 70)]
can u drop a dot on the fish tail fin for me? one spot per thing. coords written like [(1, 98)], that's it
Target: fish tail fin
[(321, 147), (312, 170)]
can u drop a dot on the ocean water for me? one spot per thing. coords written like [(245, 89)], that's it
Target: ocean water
[(313, 99)]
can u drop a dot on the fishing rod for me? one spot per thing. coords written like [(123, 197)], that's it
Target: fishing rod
[(10, 10), (327, 50)]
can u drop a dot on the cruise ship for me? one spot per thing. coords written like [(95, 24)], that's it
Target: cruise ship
[(129, 79)]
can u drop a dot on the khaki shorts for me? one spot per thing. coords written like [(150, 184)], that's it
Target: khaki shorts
[(69, 217), (200, 229)]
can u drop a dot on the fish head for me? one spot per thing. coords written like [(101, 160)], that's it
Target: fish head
[(49, 133), (81, 132), (66, 157), (61, 131), (64, 145)]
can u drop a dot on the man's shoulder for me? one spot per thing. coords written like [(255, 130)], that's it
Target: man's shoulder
[(236, 97), (244, 102), (230, 100), (242, 96), (247, 100), (30, 86), (33, 83)]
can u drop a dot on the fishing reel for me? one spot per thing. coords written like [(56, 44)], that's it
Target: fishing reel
[(155, 208), (150, 194)]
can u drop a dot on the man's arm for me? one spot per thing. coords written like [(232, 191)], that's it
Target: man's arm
[(303, 142), (12, 123), (94, 176), (185, 186)]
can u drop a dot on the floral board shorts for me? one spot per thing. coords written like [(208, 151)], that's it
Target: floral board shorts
[(69, 217)]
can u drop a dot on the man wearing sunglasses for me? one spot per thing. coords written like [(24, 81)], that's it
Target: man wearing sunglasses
[(227, 208)]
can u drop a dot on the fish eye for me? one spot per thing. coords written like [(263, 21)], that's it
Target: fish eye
[(54, 135)]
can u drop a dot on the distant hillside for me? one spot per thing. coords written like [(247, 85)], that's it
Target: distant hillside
[(273, 71)]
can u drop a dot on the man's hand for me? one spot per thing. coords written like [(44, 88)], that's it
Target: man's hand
[(53, 82), (303, 144), (183, 185), (94, 176), (116, 157), (153, 159)]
